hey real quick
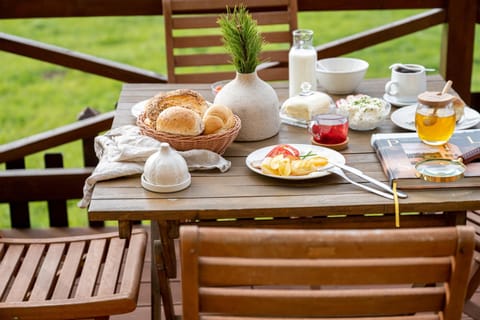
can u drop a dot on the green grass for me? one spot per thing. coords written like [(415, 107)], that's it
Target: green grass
[(37, 96)]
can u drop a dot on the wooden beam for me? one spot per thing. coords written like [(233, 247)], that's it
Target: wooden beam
[(458, 45), (381, 34), (36, 184), (88, 8), (55, 137), (76, 60)]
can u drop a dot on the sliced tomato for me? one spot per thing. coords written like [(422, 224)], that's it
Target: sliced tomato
[(286, 150)]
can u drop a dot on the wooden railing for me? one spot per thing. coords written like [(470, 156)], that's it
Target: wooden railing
[(54, 184), (459, 18)]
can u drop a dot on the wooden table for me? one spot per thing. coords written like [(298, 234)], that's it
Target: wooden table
[(328, 202)]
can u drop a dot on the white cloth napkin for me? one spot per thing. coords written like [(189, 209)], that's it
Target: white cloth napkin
[(123, 151)]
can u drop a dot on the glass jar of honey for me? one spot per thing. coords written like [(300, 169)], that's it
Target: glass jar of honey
[(435, 117)]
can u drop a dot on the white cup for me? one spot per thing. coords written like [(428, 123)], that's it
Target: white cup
[(407, 82)]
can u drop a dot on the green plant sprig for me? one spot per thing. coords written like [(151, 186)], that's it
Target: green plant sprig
[(241, 38)]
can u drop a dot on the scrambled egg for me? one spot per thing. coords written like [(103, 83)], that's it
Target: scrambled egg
[(283, 166)]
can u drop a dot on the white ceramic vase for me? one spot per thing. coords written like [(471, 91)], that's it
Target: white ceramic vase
[(255, 102)]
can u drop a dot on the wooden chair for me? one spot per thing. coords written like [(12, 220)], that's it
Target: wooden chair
[(246, 273), (472, 308), (62, 272), (91, 276), (194, 42)]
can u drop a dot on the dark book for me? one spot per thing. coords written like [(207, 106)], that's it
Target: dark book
[(399, 152)]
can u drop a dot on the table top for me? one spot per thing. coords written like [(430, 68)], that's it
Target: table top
[(241, 193)]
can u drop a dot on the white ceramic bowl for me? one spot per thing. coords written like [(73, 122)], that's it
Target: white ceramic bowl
[(363, 112), (340, 75)]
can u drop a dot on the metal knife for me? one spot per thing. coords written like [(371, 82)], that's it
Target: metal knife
[(360, 174)]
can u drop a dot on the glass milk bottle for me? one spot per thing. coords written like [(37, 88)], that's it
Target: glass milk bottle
[(301, 62)]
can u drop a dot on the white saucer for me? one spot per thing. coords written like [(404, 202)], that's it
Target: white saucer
[(165, 188), (394, 101), (405, 118)]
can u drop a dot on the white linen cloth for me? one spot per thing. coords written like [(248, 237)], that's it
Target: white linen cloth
[(123, 151)]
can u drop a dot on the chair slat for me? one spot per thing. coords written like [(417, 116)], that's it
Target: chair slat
[(90, 271), (408, 317), (112, 266), (30, 262), (68, 272), (211, 21), (8, 264), (189, 6), (335, 244), (133, 262), (238, 271), (303, 303), (44, 283)]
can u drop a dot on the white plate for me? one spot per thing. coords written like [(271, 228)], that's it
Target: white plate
[(138, 108), (393, 100), (332, 156), (405, 118)]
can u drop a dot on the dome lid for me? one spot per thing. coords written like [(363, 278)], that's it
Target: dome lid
[(165, 171)]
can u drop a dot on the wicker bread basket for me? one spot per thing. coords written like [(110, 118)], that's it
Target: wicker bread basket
[(216, 142)]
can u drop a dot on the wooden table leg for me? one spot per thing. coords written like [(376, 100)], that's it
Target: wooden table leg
[(124, 229), (163, 281), (163, 267), (155, 297)]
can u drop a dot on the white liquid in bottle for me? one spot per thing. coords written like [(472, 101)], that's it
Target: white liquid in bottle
[(301, 62)]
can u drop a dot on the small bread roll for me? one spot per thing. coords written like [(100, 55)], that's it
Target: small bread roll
[(186, 98), (179, 120), (218, 118), (459, 107)]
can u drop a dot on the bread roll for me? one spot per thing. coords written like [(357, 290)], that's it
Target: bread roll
[(218, 118), (182, 97), (459, 107), (179, 120)]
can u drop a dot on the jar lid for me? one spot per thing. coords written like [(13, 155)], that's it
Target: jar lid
[(435, 99)]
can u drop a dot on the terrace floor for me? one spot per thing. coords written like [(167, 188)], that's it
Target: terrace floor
[(143, 310)]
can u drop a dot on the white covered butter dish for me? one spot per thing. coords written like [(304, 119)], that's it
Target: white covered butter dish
[(165, 171), (299, 110)]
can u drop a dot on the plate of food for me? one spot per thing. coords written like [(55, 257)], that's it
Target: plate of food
[(293, 161), (139, 107), (405, 118)]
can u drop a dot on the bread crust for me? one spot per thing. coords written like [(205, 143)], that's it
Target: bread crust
[(179, 120), (186, 98), (218, 118)]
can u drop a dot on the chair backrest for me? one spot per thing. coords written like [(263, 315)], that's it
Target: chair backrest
[(194, 41), (269, 273)]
